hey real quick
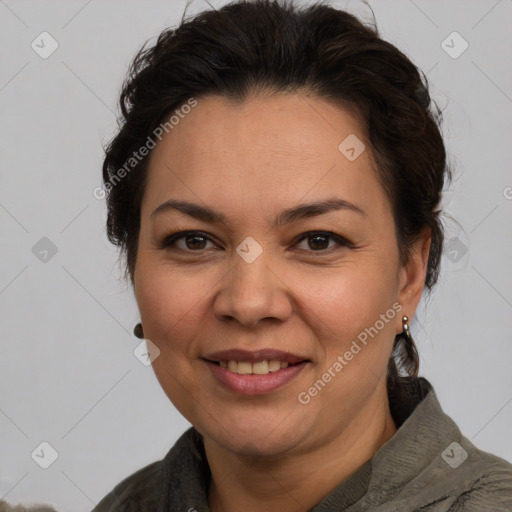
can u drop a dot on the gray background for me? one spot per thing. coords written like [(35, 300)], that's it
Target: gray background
[(68, 375)]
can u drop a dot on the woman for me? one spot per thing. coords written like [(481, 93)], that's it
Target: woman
[(275, 188)]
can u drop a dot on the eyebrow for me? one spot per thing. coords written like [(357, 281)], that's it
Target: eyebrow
[(288, 216)]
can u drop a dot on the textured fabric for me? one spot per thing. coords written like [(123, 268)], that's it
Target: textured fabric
[(427, 466)]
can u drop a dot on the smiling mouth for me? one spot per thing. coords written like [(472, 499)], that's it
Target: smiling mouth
[(255, 372)]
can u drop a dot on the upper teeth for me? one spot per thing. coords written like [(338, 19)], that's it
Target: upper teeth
[(259, 368)]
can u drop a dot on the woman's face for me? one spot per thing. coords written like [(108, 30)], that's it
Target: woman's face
[(257, 286)]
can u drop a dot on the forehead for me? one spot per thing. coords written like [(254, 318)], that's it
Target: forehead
[(263, 151)]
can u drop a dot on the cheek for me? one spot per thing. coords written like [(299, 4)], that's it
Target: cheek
[(169, 303), (353, 304)]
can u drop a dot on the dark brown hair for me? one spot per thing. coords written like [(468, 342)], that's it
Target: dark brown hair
[(271, 46)]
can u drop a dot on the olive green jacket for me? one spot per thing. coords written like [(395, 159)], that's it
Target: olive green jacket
[(427, 466)]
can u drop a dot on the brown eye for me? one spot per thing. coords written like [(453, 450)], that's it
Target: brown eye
[(193, 241), (319, 241)]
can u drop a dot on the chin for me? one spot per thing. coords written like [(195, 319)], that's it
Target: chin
[(247, 447), (268, 434)]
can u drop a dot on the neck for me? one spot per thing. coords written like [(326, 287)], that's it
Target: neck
[(297, 482)]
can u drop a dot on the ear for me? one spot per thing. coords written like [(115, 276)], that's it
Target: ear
[(412, 276)]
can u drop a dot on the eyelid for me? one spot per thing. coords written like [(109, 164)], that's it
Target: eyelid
[(170, 240)]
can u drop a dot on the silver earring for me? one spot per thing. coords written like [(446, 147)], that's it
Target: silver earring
[(406, 330)]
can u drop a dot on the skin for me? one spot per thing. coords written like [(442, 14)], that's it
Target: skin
[(250, 161)]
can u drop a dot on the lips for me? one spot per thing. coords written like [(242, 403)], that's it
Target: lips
[(254, 372)]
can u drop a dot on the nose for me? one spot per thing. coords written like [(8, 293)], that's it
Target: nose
[(251, 292)]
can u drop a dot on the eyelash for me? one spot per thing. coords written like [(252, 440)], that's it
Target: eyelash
[(170, 240)]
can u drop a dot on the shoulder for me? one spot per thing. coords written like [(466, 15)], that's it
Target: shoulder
[(175, 479), (137, 492), (490, 485), (430, 465)]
